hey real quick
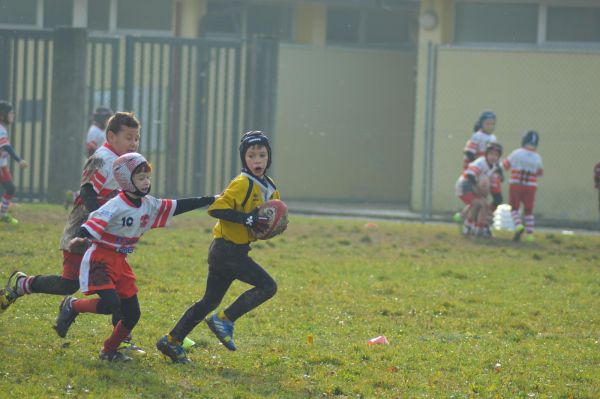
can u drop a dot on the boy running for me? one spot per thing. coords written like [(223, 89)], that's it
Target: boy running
[(97, 187), (113, 231), (228, 260)]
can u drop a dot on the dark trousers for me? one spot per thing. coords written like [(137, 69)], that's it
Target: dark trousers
[(227, 262)]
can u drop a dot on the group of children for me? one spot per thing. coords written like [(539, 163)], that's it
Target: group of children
[(113, 209), (482, 176)]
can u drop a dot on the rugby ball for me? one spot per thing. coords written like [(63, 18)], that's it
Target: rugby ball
[(276, 213)]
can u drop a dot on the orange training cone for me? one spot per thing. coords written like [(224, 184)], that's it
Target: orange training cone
[(381, 340)]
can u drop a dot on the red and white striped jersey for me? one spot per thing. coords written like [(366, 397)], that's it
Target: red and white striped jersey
[(100, 175), (4, 140), (477, 168), (477, 144), (119, 223), (97, 171), (480, 167), (526, 166)]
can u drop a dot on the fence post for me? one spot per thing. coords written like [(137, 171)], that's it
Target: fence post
[(129, 58), (428, 138), (261, 84), (68, 111)]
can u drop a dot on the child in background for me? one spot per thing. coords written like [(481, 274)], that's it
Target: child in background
[(597, 182), (526, 165), (472, 188), (96, 135), (483, 134), (113, 231), (228, 260), (7, 117)]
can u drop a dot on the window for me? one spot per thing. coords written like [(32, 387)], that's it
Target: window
[(152, 15), (18, 12), (370, 28), (272, 21), (499, 23), (233, 18), (223, 18), (58, 13), (387, 28), (98, 14), (343, 26), (570, 24)]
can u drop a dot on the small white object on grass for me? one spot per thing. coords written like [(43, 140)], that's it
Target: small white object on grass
[(503, 218)]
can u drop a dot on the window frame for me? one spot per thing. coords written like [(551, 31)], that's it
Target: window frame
[(283, 8), (542, 31), (563, 43), (39, 19), (362, 42), (113, 21)]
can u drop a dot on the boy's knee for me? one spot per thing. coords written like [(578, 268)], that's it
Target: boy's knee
[(109, 305), (270, 289), (132, 318), (131, 312)]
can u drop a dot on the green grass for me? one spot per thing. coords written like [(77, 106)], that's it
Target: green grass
[(476, 319)]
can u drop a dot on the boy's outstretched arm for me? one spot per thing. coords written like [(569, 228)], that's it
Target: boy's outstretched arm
[(189, 204), (250, 219)]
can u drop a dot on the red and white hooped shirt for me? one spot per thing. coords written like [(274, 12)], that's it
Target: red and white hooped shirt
[(102, 178), (477, 144), (477, 168), (97, 171), (119, 224), (525, 165)]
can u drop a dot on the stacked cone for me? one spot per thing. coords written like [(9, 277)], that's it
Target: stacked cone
[(503, 218)]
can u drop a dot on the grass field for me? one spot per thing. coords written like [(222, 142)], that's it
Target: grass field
[(465, 319)]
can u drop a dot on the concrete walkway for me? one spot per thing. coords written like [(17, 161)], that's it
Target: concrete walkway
[(365, 210)]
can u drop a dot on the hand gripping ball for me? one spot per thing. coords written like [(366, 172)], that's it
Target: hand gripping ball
[(276, 214)]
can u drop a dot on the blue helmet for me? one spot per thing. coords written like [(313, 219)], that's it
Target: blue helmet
[(531, 137), (485, 115)]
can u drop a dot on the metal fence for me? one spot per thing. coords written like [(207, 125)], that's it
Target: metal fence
[(192, 97), (25, 80)]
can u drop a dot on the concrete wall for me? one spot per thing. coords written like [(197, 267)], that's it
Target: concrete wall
[(344, 124)]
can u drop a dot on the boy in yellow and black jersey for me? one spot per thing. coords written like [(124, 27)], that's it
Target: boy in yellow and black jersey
[(244, 194), (237, 212)]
